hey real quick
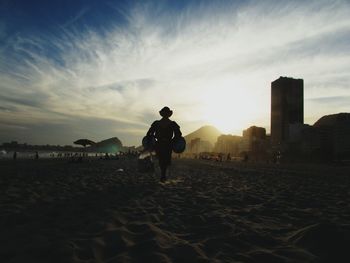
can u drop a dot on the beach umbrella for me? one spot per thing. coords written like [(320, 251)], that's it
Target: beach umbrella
[(84, 142)]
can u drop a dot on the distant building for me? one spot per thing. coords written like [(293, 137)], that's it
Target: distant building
[(254, 141), (327, 140), (228, 144), (287, 107), (335, 134), (255, 132), (194, 145), (305, 144), (197, 146)]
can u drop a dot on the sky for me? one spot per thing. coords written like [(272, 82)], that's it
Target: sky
[(101, 69)]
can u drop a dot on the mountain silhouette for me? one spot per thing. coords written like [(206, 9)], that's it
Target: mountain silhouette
[(111, 145), (205, 133), (333, 120)]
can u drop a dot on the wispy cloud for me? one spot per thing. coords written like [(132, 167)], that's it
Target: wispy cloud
[(78, 16), (211, 63)]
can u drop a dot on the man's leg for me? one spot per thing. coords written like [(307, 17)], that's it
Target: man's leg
[(164, 160), (163, 172)]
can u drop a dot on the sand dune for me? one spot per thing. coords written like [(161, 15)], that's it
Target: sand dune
[(55, 211)]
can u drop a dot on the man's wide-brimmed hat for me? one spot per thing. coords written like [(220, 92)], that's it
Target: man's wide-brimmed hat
[(166, 112)]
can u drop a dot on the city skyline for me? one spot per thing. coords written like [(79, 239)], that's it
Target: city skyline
[(102, 70)]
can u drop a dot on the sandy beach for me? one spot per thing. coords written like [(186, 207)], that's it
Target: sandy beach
[(57, 211)]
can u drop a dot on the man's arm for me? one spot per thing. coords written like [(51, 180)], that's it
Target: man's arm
[(176, 129), (152, 129)]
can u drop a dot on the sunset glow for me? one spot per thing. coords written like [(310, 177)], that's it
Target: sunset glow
[(211, 63), (231, 109)]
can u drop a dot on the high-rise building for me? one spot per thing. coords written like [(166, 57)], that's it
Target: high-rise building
[(287, 107)]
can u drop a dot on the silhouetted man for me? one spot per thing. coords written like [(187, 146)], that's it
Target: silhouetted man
[(164, 130)]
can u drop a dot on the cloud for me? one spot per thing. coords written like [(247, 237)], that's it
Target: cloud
[(329, 105), (7, 109), (334, 99), (78, 16), (2, 30), (211, 63)]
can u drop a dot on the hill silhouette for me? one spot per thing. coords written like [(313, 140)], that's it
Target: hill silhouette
[(111, 145), (206, 133), (333, 120)]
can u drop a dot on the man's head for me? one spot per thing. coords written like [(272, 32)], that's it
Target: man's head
[(165, 112)]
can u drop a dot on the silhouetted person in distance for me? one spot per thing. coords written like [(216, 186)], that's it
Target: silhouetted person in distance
[(164, 130)]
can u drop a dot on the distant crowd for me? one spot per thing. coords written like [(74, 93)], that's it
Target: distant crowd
[(76, 156)]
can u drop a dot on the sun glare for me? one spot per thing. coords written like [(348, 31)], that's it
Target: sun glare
[(229, 110)]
